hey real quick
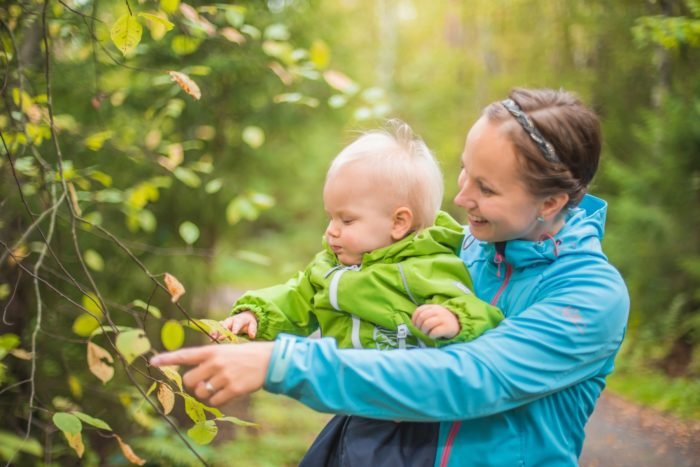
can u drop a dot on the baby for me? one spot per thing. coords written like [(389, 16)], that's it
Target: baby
[(388, 276)]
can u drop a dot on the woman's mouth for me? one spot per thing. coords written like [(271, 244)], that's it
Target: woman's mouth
[(476, 220)]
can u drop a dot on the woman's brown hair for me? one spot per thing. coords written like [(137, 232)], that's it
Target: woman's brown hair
[(569, 126)]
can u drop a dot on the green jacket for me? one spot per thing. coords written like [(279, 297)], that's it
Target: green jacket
[(370, 305)]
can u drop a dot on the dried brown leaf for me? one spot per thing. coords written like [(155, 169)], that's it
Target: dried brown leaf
[(96, 357), (175, 288), (186, 83), (129, 453), (166, 398)]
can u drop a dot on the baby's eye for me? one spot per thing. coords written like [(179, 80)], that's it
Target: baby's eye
[(347, 221)]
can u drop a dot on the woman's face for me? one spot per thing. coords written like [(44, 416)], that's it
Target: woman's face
[(498, 204)]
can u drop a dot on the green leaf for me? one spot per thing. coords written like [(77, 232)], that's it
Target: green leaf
[(145, 306), (194, 409), (103, 178), (172, 335), (185, 45), (262, 200), (147, 220), (11, 443), (276, 32), (67, 423), (5, 289), (9, 341), (158, 20), (94, 260), (253, 136), (189, 232), (236, 421), (240, 208), (132, 344), (235, 15), (203, 432), (187, 177), (96, 422), (126, 33), (213, 186), (85, 324), (100, 331), (95, 141)]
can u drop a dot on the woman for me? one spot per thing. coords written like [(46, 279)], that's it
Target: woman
[(522, 392)]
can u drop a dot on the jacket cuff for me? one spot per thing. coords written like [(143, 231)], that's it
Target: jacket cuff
[(280, 360), (258, 311)]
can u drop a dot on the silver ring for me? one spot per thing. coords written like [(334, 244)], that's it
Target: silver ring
[(208, 386)]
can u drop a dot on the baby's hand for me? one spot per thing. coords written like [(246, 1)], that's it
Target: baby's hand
[(436, 321), (244, 322)]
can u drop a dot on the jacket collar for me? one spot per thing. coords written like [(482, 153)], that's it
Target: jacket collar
[(583, 230)]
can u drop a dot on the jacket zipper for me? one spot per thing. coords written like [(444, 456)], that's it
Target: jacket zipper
[(454, 428)]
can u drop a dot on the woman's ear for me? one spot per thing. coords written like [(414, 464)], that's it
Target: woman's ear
[(402, 223), (553, 205)]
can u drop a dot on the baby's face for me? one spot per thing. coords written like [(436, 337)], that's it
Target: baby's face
[(361, 219)]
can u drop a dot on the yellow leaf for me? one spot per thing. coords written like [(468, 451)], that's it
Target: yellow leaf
[(186, 83), (320, 54), (126, 33), (166, 398), (172, 335), (169, 6), (76, 389), (98, 362), (129, 453), (85, 324), (75, 440), (171, 373), (175, 288)]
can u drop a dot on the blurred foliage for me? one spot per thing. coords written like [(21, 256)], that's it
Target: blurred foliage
[(146, 137)]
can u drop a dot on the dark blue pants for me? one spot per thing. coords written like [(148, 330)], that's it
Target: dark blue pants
[(362, 442)]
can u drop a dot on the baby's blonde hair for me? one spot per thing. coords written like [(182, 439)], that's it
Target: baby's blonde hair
[(401, 162)]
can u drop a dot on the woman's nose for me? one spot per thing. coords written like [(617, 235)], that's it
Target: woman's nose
[(464, 197)]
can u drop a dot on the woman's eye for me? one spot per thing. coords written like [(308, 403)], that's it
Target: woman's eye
[(486, 190)]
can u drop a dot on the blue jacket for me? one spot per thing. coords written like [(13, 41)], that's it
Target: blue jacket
[(520, 394)]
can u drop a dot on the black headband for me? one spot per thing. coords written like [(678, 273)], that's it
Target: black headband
[(529, 127)]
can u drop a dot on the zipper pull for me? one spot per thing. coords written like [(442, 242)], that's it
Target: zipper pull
[(498, 259), (401, 334)]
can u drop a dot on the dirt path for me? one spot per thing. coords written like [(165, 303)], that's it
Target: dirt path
[(622, 434)]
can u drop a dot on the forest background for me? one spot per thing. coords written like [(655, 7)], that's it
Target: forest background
[(140, 138)]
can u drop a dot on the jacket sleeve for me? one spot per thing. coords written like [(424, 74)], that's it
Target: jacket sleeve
[(284, 308), (444, 280), (567, 336)]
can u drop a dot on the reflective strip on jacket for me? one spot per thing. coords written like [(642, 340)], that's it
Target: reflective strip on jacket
[(523, 391)]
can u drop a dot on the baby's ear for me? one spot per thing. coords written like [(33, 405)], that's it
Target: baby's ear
[(403, 223)]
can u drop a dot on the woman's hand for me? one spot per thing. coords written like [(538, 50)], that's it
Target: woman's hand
[(221, 372), (436, 321)]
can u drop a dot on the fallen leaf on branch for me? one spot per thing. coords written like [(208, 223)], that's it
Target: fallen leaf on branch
[(129, 453), (175, 288), (186, 83)]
